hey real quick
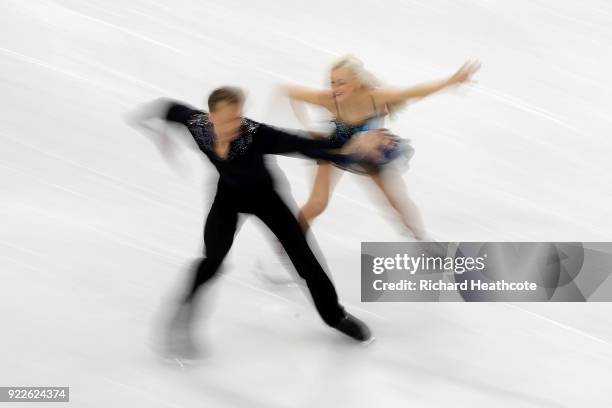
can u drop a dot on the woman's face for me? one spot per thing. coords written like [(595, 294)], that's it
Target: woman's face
[(343, 83)]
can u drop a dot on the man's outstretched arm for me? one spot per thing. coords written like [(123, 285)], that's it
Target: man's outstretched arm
[(146, 117), (276, 141), (162, 108)]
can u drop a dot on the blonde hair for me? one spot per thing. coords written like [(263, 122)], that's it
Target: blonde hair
[(365, 78)]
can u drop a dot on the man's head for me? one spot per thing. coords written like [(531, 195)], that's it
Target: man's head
[(225, 111)]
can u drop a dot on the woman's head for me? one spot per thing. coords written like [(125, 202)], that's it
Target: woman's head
[(347, 75)]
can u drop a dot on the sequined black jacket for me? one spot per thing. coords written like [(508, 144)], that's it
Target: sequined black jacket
[(244, 166)]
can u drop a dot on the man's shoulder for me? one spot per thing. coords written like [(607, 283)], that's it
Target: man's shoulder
[(198, 118), (182, 113), (249, 125)]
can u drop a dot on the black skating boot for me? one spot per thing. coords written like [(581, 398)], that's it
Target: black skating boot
[(354, 328)]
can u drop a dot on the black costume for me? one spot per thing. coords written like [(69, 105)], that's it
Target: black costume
[(246, 186)]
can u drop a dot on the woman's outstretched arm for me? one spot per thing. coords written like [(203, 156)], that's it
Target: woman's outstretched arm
[(385, 96), (299, 95), (309, 95)]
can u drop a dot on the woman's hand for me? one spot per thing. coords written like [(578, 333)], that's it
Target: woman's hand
[(464, 74)]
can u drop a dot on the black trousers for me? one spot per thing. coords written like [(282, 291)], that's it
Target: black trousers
[(267, 205)]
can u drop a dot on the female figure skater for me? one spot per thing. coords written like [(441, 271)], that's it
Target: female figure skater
[(358, 104)]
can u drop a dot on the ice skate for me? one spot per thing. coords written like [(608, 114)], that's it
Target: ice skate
[(179, 343), (355, 328)]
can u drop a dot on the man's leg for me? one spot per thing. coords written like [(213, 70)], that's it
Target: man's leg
[(218, 238), (277, 216), (219, 233)]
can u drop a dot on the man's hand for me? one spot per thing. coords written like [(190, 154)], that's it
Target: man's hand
[(146, 119), (369, 146)]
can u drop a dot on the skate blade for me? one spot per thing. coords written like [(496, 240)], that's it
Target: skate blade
[(182, 361), (369, 341), (361, 343)]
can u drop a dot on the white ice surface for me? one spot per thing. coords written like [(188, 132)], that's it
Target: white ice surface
[(96, 229)]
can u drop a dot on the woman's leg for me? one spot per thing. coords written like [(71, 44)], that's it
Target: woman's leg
[(396, 194), (319, 196)]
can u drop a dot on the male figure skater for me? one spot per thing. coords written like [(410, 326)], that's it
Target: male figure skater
[(236, 145)]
